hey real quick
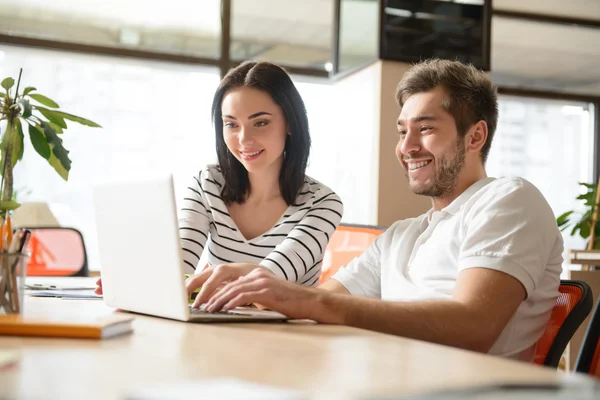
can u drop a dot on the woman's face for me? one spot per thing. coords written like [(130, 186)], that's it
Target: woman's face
[(254, 129)]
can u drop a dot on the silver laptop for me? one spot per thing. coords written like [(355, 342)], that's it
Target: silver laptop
[(140, 254)]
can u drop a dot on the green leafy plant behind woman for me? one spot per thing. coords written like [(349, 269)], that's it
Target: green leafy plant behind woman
[(581, 222), (39, 116)]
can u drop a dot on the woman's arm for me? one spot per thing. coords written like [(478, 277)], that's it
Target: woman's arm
[(299, 256), (194, 221)]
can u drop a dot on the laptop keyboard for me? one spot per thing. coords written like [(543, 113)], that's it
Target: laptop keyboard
[(200, 311)]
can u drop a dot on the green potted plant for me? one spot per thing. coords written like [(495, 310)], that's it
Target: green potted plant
[(39, 116), (583, 222)]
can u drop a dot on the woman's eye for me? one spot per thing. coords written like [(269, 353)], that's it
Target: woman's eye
[(228, 125), (261, 123)]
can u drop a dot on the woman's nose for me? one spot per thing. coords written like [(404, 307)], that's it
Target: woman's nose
[(244, 137)]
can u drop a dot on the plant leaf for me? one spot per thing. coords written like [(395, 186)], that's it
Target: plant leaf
[(55, 127), (584, 232), (13, 136), (74, 118), (25, 107), (9, 205), (563, 228), (563, 219), (38, 140), (587, 196), (56, 145), (7, 83), (576, 227), (17, 150), (40, 98), (58, 167), (28, 89), (588, 185), (52, 116)]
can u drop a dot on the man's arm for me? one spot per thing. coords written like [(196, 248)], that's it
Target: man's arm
[(333, 286), (483, 302)]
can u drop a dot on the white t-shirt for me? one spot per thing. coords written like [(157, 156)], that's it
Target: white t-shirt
[(502, 224)]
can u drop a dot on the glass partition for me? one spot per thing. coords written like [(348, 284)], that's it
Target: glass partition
[(292, 33), (358, 33)]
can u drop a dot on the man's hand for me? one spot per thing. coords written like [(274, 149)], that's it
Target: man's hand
[(262, 287), (213, 278), (98, 289)]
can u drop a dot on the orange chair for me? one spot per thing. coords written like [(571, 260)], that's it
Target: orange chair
[(588, 360), (348, 241), (573, 305), (56, 251)]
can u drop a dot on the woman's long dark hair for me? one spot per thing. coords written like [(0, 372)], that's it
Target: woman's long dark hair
[(273, 80)]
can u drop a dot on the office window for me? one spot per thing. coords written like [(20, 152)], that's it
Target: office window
[(155, 118), (549, 143)]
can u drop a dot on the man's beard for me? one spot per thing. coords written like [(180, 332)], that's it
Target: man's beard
[(446, 176)]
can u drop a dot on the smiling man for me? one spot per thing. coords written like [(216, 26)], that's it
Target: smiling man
[(480, 270)]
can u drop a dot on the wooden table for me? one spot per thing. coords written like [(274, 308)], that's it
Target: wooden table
[(326, 360)]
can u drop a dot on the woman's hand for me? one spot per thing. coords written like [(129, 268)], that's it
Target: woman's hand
[(98, 289), (215, 277)]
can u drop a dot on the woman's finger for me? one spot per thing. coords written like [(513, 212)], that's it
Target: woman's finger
[(98, 289), (194, 282)]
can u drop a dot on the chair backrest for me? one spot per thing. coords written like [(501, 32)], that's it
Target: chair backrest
[(573, 305), (56, 251), (588, 360), (348, 241)]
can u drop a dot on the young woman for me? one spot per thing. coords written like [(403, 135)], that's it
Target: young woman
[(257, 208)]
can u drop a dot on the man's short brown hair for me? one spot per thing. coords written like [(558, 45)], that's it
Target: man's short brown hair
[(471, 96)]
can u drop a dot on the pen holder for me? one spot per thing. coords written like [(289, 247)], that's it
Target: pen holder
[(13, 268)]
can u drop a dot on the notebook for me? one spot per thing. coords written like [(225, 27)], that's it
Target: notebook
[(67, 326)]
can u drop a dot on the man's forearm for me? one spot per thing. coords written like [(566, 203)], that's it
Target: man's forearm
[(446, 322)]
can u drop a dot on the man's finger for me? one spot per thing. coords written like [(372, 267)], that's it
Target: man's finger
[(232, 290), (243, 299)]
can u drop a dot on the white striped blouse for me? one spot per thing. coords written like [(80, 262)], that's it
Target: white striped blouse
[(292, 249)]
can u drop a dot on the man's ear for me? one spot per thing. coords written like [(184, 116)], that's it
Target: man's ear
[(477, 136)]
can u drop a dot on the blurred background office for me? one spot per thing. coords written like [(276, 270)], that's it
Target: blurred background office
[(147, 71)]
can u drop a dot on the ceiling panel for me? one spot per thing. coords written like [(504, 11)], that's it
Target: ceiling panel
[(585, 9)]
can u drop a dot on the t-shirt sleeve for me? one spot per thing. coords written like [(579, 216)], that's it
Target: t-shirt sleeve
[(510, 229), (362, 276), (194, 222)]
